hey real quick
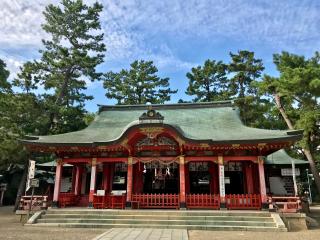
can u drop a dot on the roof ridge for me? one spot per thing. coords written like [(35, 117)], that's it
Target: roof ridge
[(215, 104)]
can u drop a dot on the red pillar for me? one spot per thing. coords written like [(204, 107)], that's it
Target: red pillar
[(106, 177), (222, 190), (57, 183), (111, 176), (73, 178), (249, 177), (212, 177), (182, 183), (77, 182), (137, 178), (262, 182), (216, 179), (187, 178), (129, 181), (140, 178), (92, 181)]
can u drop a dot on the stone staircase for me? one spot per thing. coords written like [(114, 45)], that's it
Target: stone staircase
[(175, 219)]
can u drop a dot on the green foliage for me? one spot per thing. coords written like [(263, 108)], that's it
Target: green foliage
[(216, 81), (299, 89), (245, 68), (68, 60), (208, 82), (138, 85), (4, 74)]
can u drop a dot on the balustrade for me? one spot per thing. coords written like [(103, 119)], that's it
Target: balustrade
[(243, 201), (156, 200), (210, 201), (285, 204)]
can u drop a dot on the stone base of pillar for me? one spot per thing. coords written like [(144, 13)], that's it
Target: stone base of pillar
[(265, 206), (223, 205), (183, 206), (55, 204), (128, 205), (90, 205)]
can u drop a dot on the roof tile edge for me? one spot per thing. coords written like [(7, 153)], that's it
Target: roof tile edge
[(227, 103)]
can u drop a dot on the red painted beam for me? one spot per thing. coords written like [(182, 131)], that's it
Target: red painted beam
[(204, 158), (240, 158)]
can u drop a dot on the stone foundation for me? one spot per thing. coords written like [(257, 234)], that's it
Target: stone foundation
[(294, 221)]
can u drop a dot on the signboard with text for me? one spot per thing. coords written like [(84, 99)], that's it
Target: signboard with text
[(288, 171), (221, 181), (34, 182)]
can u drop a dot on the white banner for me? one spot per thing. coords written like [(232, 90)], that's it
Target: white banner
[(32, 169), (31, 173), (221, 181)]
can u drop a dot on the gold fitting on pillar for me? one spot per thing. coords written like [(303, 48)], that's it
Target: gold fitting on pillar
[(94, 162), (130, 160), (220, 160), (59, 161), (260, 160), (181, 160)]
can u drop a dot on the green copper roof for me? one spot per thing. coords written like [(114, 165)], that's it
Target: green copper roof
[(52, 164), (282, 157), (216, 122)]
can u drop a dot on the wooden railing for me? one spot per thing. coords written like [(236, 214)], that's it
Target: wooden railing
[(109, 201), (38, 203), (285, 204), (243, 201), (209, 201), (156, 200), (68, 199)]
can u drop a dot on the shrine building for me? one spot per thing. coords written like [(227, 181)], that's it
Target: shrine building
[(188, 155)]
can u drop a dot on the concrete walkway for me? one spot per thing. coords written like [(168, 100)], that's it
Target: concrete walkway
[(143, 234)]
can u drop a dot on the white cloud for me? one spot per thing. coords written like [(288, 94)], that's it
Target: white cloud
[(13, 63), (140, 28), (286, 23), (20, 22)]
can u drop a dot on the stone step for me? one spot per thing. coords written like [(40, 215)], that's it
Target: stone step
[(172, 217), (159, 222), (161, 212), (182, 219), (189, 227)]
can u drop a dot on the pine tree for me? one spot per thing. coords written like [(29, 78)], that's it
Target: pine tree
[(4, 74), (138, 85), (208, 82), (296, 94), (69, 59), (244, 69)]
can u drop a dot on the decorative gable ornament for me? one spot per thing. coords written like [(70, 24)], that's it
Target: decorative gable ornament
[(151, 116)]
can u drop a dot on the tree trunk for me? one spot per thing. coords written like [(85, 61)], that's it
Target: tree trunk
[(282, 111), (22, 186), (306, 152), (313, 167), (61, 95)]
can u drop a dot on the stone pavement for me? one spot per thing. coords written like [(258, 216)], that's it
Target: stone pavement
[(143, 234)]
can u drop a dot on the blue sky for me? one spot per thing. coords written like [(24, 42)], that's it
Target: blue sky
[(176, 34)]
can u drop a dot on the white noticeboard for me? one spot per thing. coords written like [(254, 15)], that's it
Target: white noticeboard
[(101, 192), (34, 182), (288, 171)]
